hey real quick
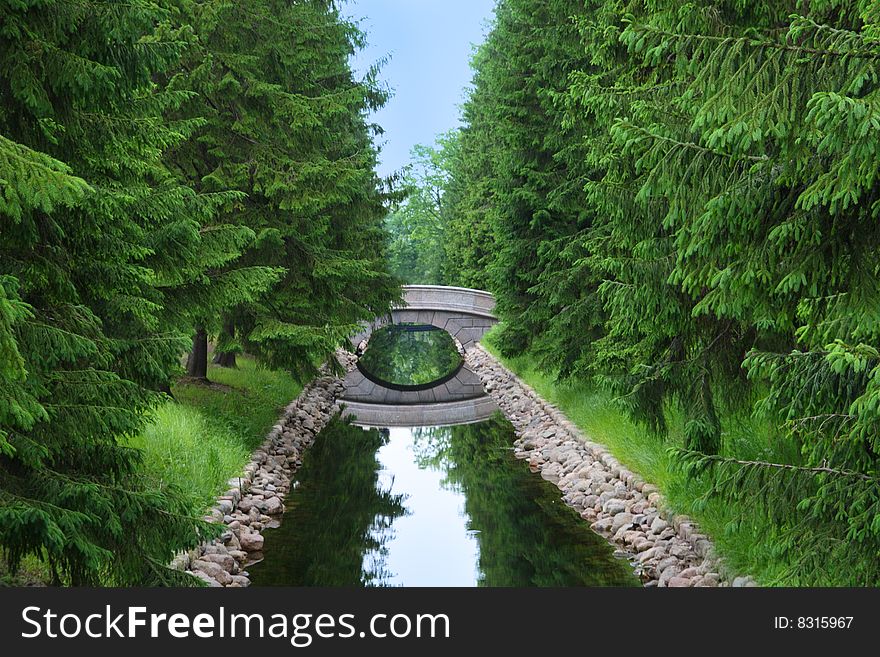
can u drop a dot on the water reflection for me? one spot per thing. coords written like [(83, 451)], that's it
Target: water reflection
[(528, 536), (431, 545), (410, 355), (430, 507), (339, 513)]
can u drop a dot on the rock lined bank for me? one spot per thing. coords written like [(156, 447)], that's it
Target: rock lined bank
[(255, 500), (665, 549)]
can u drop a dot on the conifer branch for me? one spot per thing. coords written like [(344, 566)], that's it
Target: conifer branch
[(714, 459)]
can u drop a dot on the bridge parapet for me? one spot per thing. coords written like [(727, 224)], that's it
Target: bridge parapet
[(463, 313), (451, 299)]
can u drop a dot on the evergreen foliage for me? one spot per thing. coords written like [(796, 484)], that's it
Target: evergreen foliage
[(163, 167), (285, 127), (680, 202), (516, 134), (526, 537), (337, 533), (87, 205), (417, 225)]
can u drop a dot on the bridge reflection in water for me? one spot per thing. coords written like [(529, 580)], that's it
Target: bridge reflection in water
[(455, 399)]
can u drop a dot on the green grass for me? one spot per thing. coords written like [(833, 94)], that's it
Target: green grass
[(201, 440), (747, 540), (252, 404)]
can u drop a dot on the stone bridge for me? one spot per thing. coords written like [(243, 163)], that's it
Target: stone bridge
[(463, 313)]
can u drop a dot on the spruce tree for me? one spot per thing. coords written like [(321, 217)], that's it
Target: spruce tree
[(86, 203), (286, 128), (779, 239), (515, 126), (724, 254)]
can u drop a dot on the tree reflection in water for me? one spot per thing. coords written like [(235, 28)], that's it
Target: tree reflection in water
[(410, 355), (528, 536), (340, 528), (338, 515)]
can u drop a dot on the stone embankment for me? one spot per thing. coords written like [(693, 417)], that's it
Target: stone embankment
[(665, 549), (255, 500)]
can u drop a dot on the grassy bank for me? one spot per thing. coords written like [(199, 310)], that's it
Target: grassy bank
[(204, 438), (747, 540), (200, 440)]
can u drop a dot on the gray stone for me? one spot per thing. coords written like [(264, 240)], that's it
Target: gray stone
[(621, 520), (251, 542), (642, 544), (666, 563), (207, 579), (651, 553), (614, 506), (213, 570), (668, 573), (233, 543), (602, 526), (239, 555), (685, 530), (273, 506), (225, 561), (702, 547), (680, 550), (678, 582), (659, 525), (214, 515)]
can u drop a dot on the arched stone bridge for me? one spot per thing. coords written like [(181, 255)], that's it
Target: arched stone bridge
[(465, 314)]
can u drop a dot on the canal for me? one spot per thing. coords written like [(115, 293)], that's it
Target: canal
[(427, 506), (423, 506)]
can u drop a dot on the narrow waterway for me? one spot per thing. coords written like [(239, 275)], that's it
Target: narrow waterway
[(430, 507)]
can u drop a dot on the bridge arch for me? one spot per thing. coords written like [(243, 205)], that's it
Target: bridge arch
[(464, 313)]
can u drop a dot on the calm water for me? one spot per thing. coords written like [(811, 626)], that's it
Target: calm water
[(410, 355), (430, 507)]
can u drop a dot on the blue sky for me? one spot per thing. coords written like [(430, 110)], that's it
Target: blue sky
[(429, 43)]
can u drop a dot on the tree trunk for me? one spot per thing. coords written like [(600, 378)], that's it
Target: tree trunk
[(197, 364), (226, 358), (166, 389)]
